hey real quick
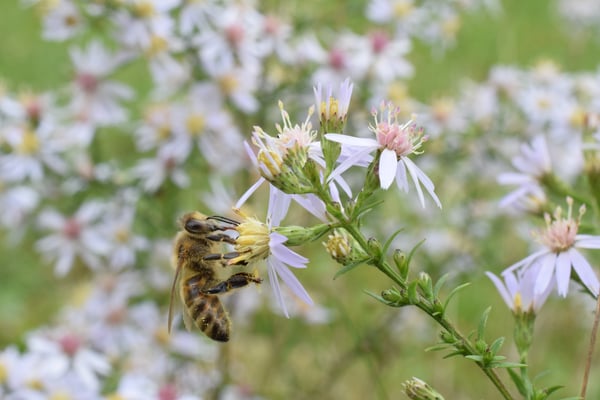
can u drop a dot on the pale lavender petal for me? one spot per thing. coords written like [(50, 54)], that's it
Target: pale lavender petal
[(501, 289), (352, 140), (514, 178), (585, 271), (249, 192), (588, 241), (250, 153), (401, 179), (274, 280), (412, 167), (526, 261), (313, 205), (546, 273), (513, 196), (279, 203), (292, 282), (563, 273), (350, 161), (283, 253), (388, 163)]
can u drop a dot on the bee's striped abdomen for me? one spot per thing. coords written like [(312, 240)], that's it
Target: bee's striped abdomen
[(206, 310)]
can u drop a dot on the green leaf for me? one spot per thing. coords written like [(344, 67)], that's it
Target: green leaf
[(388, 242), (495, 347), (413, 295), (349, 267), (508, 365), (519, 383), (453, 292), (474, 357), (438, 347), (439, 284), (483, 323)]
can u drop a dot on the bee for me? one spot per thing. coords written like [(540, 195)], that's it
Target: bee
[(196, 260)]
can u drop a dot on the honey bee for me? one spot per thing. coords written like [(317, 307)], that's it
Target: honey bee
[(196, 260)]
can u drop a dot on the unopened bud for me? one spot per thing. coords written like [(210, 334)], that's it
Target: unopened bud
[(344, 249), (298, 235), (417, 389)]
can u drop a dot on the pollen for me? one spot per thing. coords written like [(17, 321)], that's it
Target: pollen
[(337, 245), (271, 162), (560, 232), (252, 244)]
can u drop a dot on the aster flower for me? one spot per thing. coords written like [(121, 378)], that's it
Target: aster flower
[(258, 240), (94, 96), (533, 165), (73, 236), (282, 160), (559, 254), (394, 143), (518, 292)]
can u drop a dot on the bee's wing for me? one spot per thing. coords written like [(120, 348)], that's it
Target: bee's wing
[(187, 319), (173, 290)]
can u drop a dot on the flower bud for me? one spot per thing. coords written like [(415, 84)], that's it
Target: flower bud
[(298, 235), (344, 249), (419, 390)]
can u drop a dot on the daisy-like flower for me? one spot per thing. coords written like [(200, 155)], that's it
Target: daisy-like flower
[(518, 292), (333, 110), (95, 97), (394, 142), (258, 241), (63, 352), (74, 236), (533, 165), (282, 160), (559, 254)]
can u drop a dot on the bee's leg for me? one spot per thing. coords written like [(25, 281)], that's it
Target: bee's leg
[(223, 257), (220, 237), (235, 281)]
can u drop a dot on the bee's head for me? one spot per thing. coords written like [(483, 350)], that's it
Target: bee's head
[(195, 223)]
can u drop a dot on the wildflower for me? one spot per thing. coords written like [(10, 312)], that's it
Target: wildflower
[(333, 110), (533, 165), (94, 97), (258, 240), (77, 235), (517, 290), (394, 143), (282, 160), (559, 253)]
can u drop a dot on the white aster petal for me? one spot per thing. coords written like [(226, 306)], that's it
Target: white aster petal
[(546, 273), (563, 273), (388, 164), (584, 271)]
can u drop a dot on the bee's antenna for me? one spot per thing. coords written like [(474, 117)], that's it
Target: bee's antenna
[(224, 220)]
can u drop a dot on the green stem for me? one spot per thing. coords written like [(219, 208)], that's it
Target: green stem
[(440, 319)]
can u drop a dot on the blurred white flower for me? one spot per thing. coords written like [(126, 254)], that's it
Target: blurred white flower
[(95, 98), (73, 236)]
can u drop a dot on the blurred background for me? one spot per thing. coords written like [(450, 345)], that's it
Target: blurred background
[(116, 117)]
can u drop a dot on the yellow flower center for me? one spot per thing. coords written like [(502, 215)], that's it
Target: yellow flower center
[(402, 8), (30, 144), (272, 160), (228, 83), (195, 124), (158, 44), (144, 9), (60, 396), (252, 243)]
